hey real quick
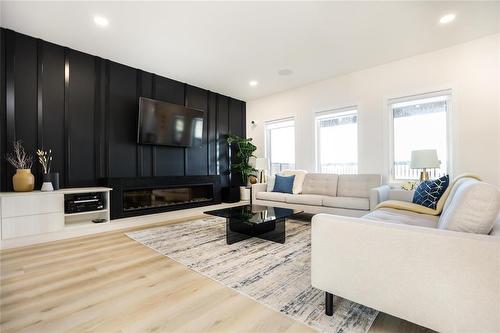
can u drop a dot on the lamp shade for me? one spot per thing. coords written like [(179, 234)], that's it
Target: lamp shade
[(423, 159), (261, 163)]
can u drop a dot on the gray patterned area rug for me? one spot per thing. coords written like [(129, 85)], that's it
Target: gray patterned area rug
[(276, 275)]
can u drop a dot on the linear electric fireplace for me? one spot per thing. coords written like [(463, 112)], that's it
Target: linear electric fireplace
[(149, 195), (165, 197)]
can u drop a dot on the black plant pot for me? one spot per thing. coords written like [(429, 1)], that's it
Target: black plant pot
[(230, 194)]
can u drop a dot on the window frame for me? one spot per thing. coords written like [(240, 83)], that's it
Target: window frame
[(267, 139), (388, 104), (346, 110)]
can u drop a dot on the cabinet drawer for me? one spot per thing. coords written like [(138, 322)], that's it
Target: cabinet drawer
[(32, 204), (31, 225)]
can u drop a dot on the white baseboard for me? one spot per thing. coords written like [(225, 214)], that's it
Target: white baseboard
[(113, 225)]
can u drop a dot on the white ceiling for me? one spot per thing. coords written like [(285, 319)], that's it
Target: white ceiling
[(221, 46)]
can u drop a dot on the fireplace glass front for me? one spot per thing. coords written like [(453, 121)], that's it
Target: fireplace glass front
[(138, 199)]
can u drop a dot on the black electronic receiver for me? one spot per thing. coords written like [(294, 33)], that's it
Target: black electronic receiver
[(83, 202)]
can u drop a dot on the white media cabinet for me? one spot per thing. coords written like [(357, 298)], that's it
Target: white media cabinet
[(32, 213)]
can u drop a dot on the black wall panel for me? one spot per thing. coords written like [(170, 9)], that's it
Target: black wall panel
[(80, 119), (168, 161), (145, 152), (84, 108), (222, 131), (25, 85), (168, 90), (3, 121), (52, 111), (196, 155), (212, 133), (123, 106), (101, 139), (235, 112)]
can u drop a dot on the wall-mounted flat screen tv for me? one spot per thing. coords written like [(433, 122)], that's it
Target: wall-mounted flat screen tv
[(162, 123)]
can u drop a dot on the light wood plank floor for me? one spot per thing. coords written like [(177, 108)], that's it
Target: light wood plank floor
[(110, 283)]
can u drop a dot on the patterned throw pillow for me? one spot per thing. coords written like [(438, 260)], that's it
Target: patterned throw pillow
[(428, 192)]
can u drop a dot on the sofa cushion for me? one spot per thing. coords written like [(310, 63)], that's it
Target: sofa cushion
[(474, 208), (270, 183), (347, 202), (357, 185), (429, 192), (495, 231), (305, 199), (403, 217), (320, 183), (298, 181), (272, 196), (283, 184)]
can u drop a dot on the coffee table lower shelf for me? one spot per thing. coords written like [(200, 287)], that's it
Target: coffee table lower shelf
[(273, 231)]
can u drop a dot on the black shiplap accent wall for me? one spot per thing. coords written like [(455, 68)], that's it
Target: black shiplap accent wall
[(85, 109)]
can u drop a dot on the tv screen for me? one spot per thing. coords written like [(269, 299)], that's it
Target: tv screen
[(162, 123)]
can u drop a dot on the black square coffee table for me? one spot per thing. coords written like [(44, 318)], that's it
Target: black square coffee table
[(244, 222)]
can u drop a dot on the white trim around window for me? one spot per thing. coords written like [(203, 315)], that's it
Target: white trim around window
[(338, 114), (275, 124), (440, 95)]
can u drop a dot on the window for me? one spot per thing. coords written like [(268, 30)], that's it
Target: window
[(280, 144), (419, 122), (337, 141)]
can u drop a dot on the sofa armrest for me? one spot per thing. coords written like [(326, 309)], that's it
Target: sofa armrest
[(401, 195), (379, 194), (259, 187), (427, 276)]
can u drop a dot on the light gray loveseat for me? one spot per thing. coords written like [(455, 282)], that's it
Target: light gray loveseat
[(349, 195)]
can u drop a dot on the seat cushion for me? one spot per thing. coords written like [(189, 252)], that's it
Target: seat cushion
[(403, 217), (272, 196), (347, 202), (305, 199), (320, 183), (357, 185)]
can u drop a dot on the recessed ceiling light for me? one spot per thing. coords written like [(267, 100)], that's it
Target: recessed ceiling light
[(447, 18), (101, 21), (253, 83), (285, 72)]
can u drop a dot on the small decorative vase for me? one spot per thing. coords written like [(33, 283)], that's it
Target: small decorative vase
[(23, 180), (47, 183), (54, 178)]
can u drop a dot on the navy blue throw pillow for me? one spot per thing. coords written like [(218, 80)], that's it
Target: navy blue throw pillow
[(283, 184), (428, 192)]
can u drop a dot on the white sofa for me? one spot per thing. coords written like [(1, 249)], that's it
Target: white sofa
[(412, 265), (349, 195)]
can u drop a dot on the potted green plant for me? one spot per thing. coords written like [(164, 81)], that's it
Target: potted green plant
[(244, 149)]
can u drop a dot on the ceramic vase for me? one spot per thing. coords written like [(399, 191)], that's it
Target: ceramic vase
[(47, 183), (23, 180)]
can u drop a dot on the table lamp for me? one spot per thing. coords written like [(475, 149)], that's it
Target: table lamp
[(261, 165), (424, 159)]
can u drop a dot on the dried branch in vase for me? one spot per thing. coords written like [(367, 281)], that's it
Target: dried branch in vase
[(18, 158), (45, 159)]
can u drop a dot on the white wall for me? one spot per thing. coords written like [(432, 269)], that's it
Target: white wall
[(471, 70)]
